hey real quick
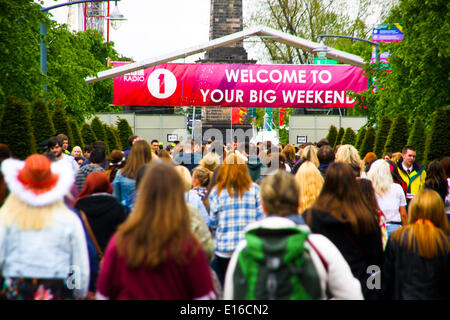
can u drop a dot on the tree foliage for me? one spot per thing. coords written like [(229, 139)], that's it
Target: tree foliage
[(61, 121), (382, 134), (339, 137), (41, 121), (125, 131), (368, 142), (438, 141), (417, 138), (332, 135), (99, 129), (88, 134), (360, 137), (349, 137), (398, 135), (113, 141), (16, 131), (77, 137)]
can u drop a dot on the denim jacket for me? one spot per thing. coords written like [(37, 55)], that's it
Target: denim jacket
[(55, 252), (123, 187)]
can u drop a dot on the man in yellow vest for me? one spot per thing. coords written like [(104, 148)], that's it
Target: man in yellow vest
[(412, 173)]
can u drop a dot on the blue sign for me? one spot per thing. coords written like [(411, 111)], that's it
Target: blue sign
[(387, 33)]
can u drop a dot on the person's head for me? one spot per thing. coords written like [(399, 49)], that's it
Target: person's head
[(427, 227), (54, 145), (87, 151), (408, 155), (233, 176), (155, 145), (348, 154), (341, 197), (164, 155), (396, 157), (99, 145), (77, 152), (435, 172), (369, 157), (325, 154), (157, 230), (368, 195), (116, 160), (394, 172), (310, 183), (96, 182), (210, 161), (289, 152), (185, 176), (131, 140), (97, 156), (381, 177), (323, 142), (65, 140), (387, 156), (309, 153), (279, 194), (201, 177), (446, 166), (276, 160), (140, 154)]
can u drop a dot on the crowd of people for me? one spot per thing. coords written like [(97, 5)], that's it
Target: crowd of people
[(223, 221)]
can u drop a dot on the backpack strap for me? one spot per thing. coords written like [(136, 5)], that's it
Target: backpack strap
[(91, 233), (322, 259)]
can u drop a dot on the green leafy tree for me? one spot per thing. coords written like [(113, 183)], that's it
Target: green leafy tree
[(332, 135), (398, 135), (41, 122), (417, 138), (61, 122), (113, 141), (115, 131), (360, 137), (125, 131), (99, 129), (349, 136), (438, 141), (382, 134), (88, 134), (77, 137), (339, 137), (16, 131), (368, 142)]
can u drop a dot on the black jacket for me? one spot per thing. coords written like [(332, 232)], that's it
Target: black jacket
[(104, 214), (360, 251), (407, 276)]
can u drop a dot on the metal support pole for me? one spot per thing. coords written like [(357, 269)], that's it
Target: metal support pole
[(43, 51)]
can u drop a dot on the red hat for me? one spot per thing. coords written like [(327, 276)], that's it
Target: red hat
[(37, 181)]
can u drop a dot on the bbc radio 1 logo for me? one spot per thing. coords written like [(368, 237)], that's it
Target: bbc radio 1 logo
[(135, 76), (162, 83)]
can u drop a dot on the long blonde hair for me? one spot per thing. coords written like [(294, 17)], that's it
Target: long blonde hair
[(310, 183), (381, 177), (309, 153), (427, 229), (140, 154), (348, 154)]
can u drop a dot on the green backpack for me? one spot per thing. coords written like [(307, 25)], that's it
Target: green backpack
[(276, 265)]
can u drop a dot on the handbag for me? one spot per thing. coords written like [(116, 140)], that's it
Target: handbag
[(91, 234)]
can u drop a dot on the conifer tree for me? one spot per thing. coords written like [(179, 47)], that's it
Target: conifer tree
[(398, 135), (417, 138), (77, 138), (88, 134), (99, 129), (61, 122), (360, 137), (125, 131), (113, 143), (41, 122), (117, 135), (349, 136), (381, 137), (368, 142), (15, 128), (437, 145), (339, 137), (332, 135)]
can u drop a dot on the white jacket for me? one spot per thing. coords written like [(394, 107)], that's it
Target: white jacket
[(340, 280)]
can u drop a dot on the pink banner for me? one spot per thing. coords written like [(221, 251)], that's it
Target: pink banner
[(235, 85)]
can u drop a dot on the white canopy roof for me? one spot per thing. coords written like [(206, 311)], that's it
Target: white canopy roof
[(282, 37)]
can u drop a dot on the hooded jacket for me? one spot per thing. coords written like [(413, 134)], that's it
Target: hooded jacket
[(416, 180), (104, 214), (254, 166), (359, 250)]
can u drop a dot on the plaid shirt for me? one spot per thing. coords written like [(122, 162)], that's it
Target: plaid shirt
[(230, 215)]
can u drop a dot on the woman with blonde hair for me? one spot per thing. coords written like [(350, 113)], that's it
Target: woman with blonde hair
[(124, 182), (309, 153), (233, 203), (417, 261), (348, 154), (154, 254), (210, 161), (310, 183), (390, 196), (77, 154)]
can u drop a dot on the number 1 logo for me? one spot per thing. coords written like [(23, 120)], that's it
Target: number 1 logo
[(161, 83)]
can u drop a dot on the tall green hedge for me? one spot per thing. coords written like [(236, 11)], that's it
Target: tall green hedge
[(88, 134), (368, 142), (41, 122), (360, 137), (437, 145), (77, 137), (417, 138), (15, 128), (61, 122), (398, 135), (349, 137), (332, 135), (382, 134), (339, 137), (113, 141), (125, 132), (99, 129), (117, 135)]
